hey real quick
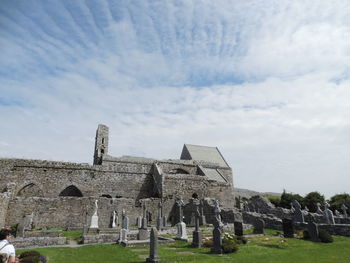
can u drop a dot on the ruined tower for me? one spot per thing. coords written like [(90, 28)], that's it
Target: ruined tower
[(101, 143)]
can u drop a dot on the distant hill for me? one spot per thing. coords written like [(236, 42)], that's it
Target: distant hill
[(249, 193)]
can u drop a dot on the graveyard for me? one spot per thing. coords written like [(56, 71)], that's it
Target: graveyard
[(128, 209)]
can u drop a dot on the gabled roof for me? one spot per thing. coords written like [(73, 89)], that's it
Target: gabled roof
[(203, 153)]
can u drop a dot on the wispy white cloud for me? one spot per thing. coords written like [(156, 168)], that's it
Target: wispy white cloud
[(266, 81)]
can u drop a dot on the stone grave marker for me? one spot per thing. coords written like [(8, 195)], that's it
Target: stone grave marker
[(328, 214), (181, 226), (153, 252), (259, 226), (319, 210), (238, 228), (202, 219), (344, 208), (298, 215), (125, 224), (94, 218), (139, 222), (164, 218), (312, 228), (217, 241), (197, 234), (288, 228), (123, 237)]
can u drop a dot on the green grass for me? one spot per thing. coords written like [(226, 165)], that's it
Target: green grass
[(260, 249), (73, 235)]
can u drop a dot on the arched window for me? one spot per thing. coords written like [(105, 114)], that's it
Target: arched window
[(71, 191), (30, 190)]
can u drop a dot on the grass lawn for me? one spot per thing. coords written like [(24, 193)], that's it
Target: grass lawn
[(264, 249)]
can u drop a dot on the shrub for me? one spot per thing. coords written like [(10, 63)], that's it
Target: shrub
[(229, 246), (31, 256), (208, 243), (311, 199), (324, 236)]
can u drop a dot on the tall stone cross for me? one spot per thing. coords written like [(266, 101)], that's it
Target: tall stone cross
[(217, 211)]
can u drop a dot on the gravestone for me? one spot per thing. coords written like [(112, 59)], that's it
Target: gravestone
[(298, 215), (238, 228), (192, 220), (344, 208), (259, 226), (123, 237), (202, 218), (181, 226), (197, 234), (143, 234), (217, 211), (94, 218), (159, 218), (328, 214), (139, 222), (125, 224), (312, 228), (217, 241), (113, 220), (319, 210), (288, 228), (337, 213), (164, 218), (153, 252)]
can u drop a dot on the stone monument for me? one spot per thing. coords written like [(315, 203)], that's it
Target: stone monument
[(113, 220), (328, 214), (153, 252), (94, 218), (197, 234), (259, 226), (217, 241), (238, 228), (202, 218), (181, 226), (288, 228), (298, 215), (159, 218), (319, 210), (344, 208)]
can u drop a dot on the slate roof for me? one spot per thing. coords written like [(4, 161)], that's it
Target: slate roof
[(203, 153)]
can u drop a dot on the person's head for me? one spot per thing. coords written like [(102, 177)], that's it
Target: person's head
[(5, 234)]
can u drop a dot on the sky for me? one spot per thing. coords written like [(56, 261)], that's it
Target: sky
[(266, 81)]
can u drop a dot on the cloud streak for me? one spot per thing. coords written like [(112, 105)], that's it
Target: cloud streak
[(265, 81)]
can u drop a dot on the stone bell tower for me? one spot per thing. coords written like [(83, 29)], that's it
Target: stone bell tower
[(101, 143)]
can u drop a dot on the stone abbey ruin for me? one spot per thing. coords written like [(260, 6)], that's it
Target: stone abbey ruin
[(120, 198), (62, 194)]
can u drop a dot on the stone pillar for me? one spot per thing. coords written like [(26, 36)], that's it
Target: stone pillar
[(197, 234), (217, 241), (259, 226), (288, 228), (312, 228), (238, 228), (153, 252)]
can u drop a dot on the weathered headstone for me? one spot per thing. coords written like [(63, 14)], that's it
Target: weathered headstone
[(298, 215), (159, 218), (337, 213), (319, 210), (139, 222), (259, 226), (288, 228), (197, 234), (312, 228), (328, 214), (181, 226), (344, 208), (94, 218), (238, 228), (153, 252), (164, 218), (125, 224), (113, 220), (217, 213), (217, 241), (123, 236), (143, 234), (202, 218)]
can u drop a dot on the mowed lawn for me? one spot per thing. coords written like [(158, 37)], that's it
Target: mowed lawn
[(264, 249)]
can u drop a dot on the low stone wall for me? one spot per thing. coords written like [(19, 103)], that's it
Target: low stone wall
[(270, 222), (337, 229), (100, 238), (38, 242)]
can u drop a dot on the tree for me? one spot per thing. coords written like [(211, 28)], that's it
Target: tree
[(287, 198), (311, 200), (338, 200)]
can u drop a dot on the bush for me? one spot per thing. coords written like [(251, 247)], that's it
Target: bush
[(31, 256), (229, 246), (287, 198), (311, 200), (208, 243), (324, 236)]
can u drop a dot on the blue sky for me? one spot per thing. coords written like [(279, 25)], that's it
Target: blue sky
[(265, 81)]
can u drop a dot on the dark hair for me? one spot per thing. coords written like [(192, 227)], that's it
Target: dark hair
[(4, 233)]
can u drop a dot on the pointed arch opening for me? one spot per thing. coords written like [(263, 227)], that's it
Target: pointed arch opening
[(30, 190), (71, 191)]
